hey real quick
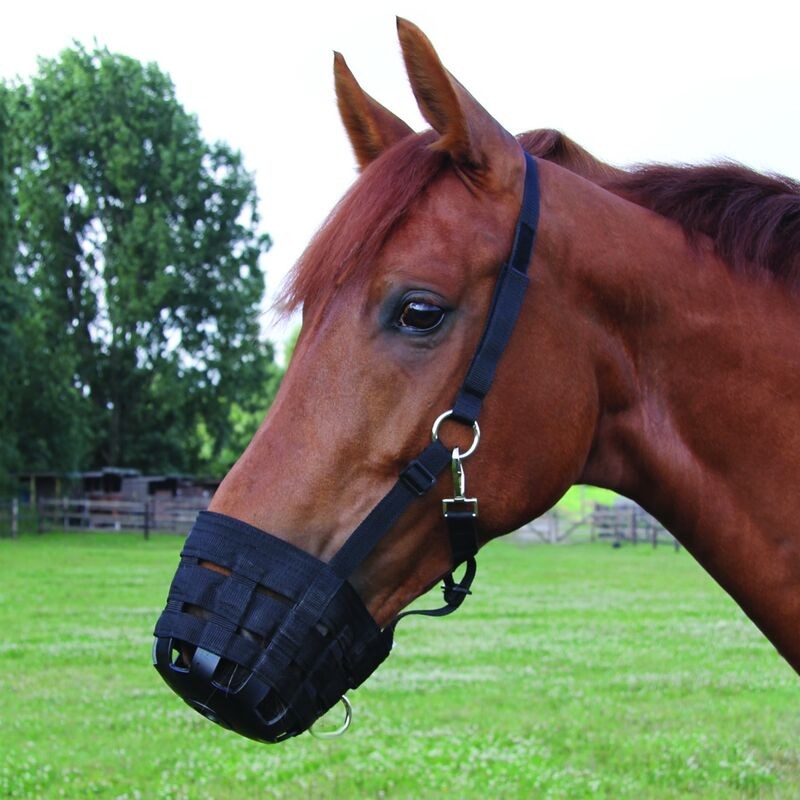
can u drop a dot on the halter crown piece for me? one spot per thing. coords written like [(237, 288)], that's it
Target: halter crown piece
[(268, 648)]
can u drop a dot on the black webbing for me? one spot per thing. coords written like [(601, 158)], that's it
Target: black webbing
[(454, 594), (506, 304), (414, 481), (461, 527)]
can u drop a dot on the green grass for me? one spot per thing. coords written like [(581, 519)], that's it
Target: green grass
[(577, 671)]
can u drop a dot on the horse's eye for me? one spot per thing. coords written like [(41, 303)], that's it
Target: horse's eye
[(419, 317)]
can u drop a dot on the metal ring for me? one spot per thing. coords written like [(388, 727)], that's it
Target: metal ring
[(348, 718), (476, 432)]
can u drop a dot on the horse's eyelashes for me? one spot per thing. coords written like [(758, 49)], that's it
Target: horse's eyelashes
[(417, 316)]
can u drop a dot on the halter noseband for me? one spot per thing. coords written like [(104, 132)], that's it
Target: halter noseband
[(269, 647)]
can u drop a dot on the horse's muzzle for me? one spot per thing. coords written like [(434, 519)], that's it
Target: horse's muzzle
[(271, 642), (269, 645)]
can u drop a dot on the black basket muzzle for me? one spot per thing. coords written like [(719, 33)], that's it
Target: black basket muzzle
[(268, 648)]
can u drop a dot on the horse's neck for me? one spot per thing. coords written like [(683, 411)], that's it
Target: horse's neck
[(707, 436)]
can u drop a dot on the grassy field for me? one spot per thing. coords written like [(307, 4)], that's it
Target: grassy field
[(576, 671)]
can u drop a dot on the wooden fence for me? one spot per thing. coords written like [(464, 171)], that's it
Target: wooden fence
[(628, 523), (16, 518), (618, 524), (174, 515)]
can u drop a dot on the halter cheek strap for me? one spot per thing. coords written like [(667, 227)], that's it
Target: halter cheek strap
[(421, 474)]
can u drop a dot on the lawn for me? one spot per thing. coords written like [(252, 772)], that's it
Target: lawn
[(574, 671)]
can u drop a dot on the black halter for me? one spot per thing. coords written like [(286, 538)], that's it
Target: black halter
[(276, 642)]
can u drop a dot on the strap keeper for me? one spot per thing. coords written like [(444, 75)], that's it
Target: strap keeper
[(418, 478), (455, 594)]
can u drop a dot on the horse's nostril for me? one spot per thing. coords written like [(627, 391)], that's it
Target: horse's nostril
[(180, 656)]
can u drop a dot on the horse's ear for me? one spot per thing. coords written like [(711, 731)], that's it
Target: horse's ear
[(472, 137), (371, 127)]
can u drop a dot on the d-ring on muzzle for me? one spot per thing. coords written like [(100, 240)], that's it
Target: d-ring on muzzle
[(269, 643)]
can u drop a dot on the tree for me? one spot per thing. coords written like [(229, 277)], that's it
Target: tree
[(40, 424), (9, 303), (139, 242)]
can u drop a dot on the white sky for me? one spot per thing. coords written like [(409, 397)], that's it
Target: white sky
[(630, 81)]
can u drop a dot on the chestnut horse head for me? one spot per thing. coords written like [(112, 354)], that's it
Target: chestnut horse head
[(655, 352)]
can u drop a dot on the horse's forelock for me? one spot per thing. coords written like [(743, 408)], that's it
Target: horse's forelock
[(359, 225)]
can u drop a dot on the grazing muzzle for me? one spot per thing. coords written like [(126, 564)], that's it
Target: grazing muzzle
[(268, 648), (270, 642)]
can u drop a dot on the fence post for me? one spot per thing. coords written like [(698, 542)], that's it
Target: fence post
[(146, 519), (14, 518)]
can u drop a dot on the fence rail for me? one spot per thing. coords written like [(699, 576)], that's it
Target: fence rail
[(628, 523), (617, 524), (154, 514)]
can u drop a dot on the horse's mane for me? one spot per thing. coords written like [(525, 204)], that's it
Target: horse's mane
[(554, 146), (753, 219)]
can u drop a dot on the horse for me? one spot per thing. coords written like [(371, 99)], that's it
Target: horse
[(654, 349)]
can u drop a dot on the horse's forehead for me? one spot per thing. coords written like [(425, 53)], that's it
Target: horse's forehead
[(451, 225), (448, 235)]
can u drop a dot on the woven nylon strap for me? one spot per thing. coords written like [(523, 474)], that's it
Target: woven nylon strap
[(506, 304)]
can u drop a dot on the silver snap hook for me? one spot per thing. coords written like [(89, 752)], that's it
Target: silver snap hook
[(459, 478)]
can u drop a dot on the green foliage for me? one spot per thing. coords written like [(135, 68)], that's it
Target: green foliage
[(580, 499), (138, 258), (291, 343), (40, 420), (572, 672), (10, 344), (219, 453)]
